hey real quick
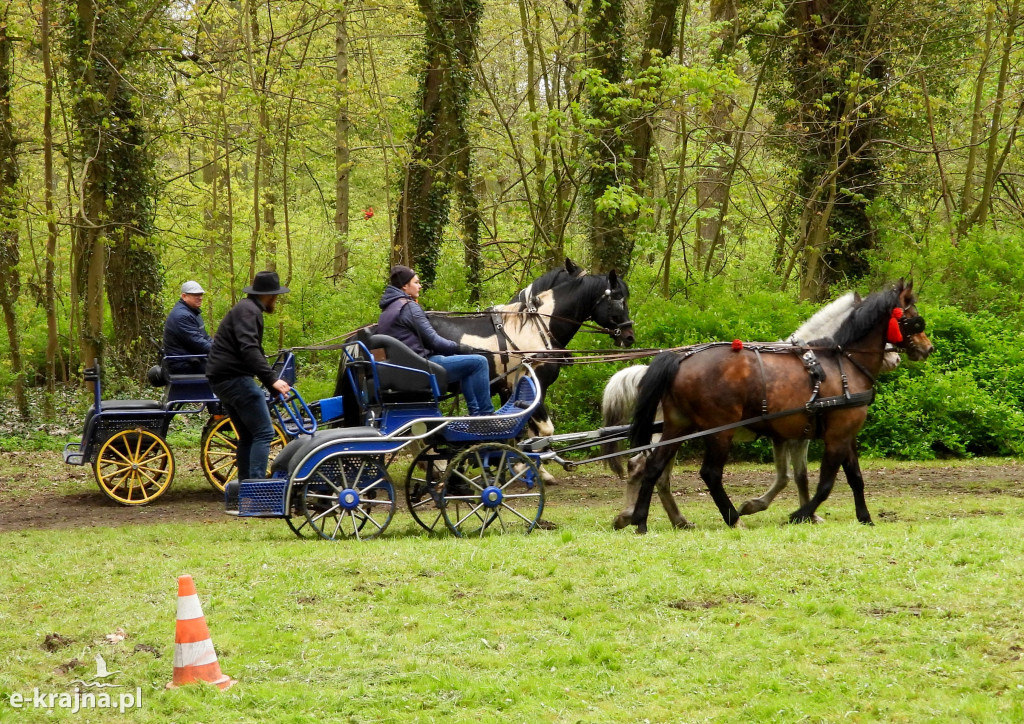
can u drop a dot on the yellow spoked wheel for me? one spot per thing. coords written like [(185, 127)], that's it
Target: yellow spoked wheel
[(220, 440), (134, 467)]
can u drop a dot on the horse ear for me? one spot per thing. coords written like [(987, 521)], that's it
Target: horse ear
[(571, 267), (613, 279), (857, 299)]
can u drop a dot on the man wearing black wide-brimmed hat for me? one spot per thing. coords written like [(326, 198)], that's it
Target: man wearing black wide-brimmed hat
[(235, 358)]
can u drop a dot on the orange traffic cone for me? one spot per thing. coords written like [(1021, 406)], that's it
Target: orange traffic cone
[(194, 657)]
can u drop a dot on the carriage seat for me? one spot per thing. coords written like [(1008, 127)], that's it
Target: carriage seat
[(294, 451), (405, 384), (122, 406), (130, 405), (190, 387)]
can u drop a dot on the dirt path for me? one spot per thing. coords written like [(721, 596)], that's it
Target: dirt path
[(51, 505)]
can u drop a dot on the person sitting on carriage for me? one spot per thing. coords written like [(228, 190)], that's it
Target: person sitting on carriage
[(403, 318), (185, 332)]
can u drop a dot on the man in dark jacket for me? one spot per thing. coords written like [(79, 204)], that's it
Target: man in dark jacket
[(235, 358), (403, 318), (185, 332)]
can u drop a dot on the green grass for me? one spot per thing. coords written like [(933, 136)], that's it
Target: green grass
[(913, 620)]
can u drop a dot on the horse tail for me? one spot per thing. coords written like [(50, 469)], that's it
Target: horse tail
[(617, 404), (653, 386)]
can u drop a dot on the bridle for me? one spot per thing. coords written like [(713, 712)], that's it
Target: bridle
[(614, 331)]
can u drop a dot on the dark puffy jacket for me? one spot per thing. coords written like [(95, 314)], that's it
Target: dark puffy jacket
[(237, 349), (405, 320), (184, 334)]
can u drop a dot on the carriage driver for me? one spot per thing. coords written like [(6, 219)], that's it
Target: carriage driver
[(235, 358), (185, 332), (403, 318)]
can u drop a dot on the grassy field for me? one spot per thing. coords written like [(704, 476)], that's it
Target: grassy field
[(917, 619)]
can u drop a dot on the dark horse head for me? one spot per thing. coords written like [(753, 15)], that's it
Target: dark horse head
[(601, 298)]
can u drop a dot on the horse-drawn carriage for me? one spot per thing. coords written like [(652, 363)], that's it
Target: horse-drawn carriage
[(469, 474), (477, 475), (125, 441)]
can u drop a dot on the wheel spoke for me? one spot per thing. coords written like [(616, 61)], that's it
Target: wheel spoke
[(516, 477), (517, 513), (469, 514), (113, 449), (317, 518)]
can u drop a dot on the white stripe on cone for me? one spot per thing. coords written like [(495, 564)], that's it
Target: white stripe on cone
[(189, 607), (196, 654)]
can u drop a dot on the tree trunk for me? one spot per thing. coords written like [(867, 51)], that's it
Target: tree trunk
[(49, 303), (450, 38), (609, 246), (10, 285), (712, 187), (341, 152)]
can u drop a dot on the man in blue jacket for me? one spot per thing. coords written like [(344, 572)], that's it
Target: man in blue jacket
[(235, 358), (185, 332), (403, 318)]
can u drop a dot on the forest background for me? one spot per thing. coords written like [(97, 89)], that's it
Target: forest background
[(740, 161)]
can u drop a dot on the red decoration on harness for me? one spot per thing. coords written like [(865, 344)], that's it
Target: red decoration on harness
[(895, 336), (737, 345)]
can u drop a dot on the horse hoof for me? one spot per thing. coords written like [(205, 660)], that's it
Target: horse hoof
[(641, 529), (621, 522), (817, 518), (738, 525), (750, 507), (684, 524), (868, 522)]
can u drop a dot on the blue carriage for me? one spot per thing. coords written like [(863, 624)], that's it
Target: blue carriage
[(467, 475), (125, 441)]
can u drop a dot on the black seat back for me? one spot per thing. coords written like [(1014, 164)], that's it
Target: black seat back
[(396, 375)]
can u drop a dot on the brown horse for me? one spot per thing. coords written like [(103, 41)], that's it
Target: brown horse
[(767, 389)]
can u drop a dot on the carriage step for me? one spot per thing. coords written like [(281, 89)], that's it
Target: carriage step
[(261, 498), (73, 454)]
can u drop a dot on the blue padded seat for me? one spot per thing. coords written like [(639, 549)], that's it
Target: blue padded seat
[(295, 450)]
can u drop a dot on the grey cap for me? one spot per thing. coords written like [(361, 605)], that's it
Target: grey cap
[(191, 287)]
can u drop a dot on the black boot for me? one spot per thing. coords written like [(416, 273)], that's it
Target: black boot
[(231, 498)]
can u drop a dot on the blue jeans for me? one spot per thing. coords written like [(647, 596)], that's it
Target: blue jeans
[(473, 375), (246, 405)]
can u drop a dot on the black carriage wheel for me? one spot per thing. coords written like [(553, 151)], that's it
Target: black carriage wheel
[(492, 488), (348, 496), (423, 490), (134, 467), (217, 449)]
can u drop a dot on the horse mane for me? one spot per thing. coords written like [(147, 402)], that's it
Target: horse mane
[(863, 319), (827, 320)]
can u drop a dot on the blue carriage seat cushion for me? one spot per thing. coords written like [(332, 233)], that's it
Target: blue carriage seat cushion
[(396, 379), (286, 461)]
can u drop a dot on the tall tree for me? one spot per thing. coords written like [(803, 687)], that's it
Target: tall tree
[(114, 217), (451, 29), (50, 292), (342, 162), (611, 202), (10, 285)]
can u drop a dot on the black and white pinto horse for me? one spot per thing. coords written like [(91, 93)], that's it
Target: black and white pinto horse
[(543, 321), (619, 401)]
